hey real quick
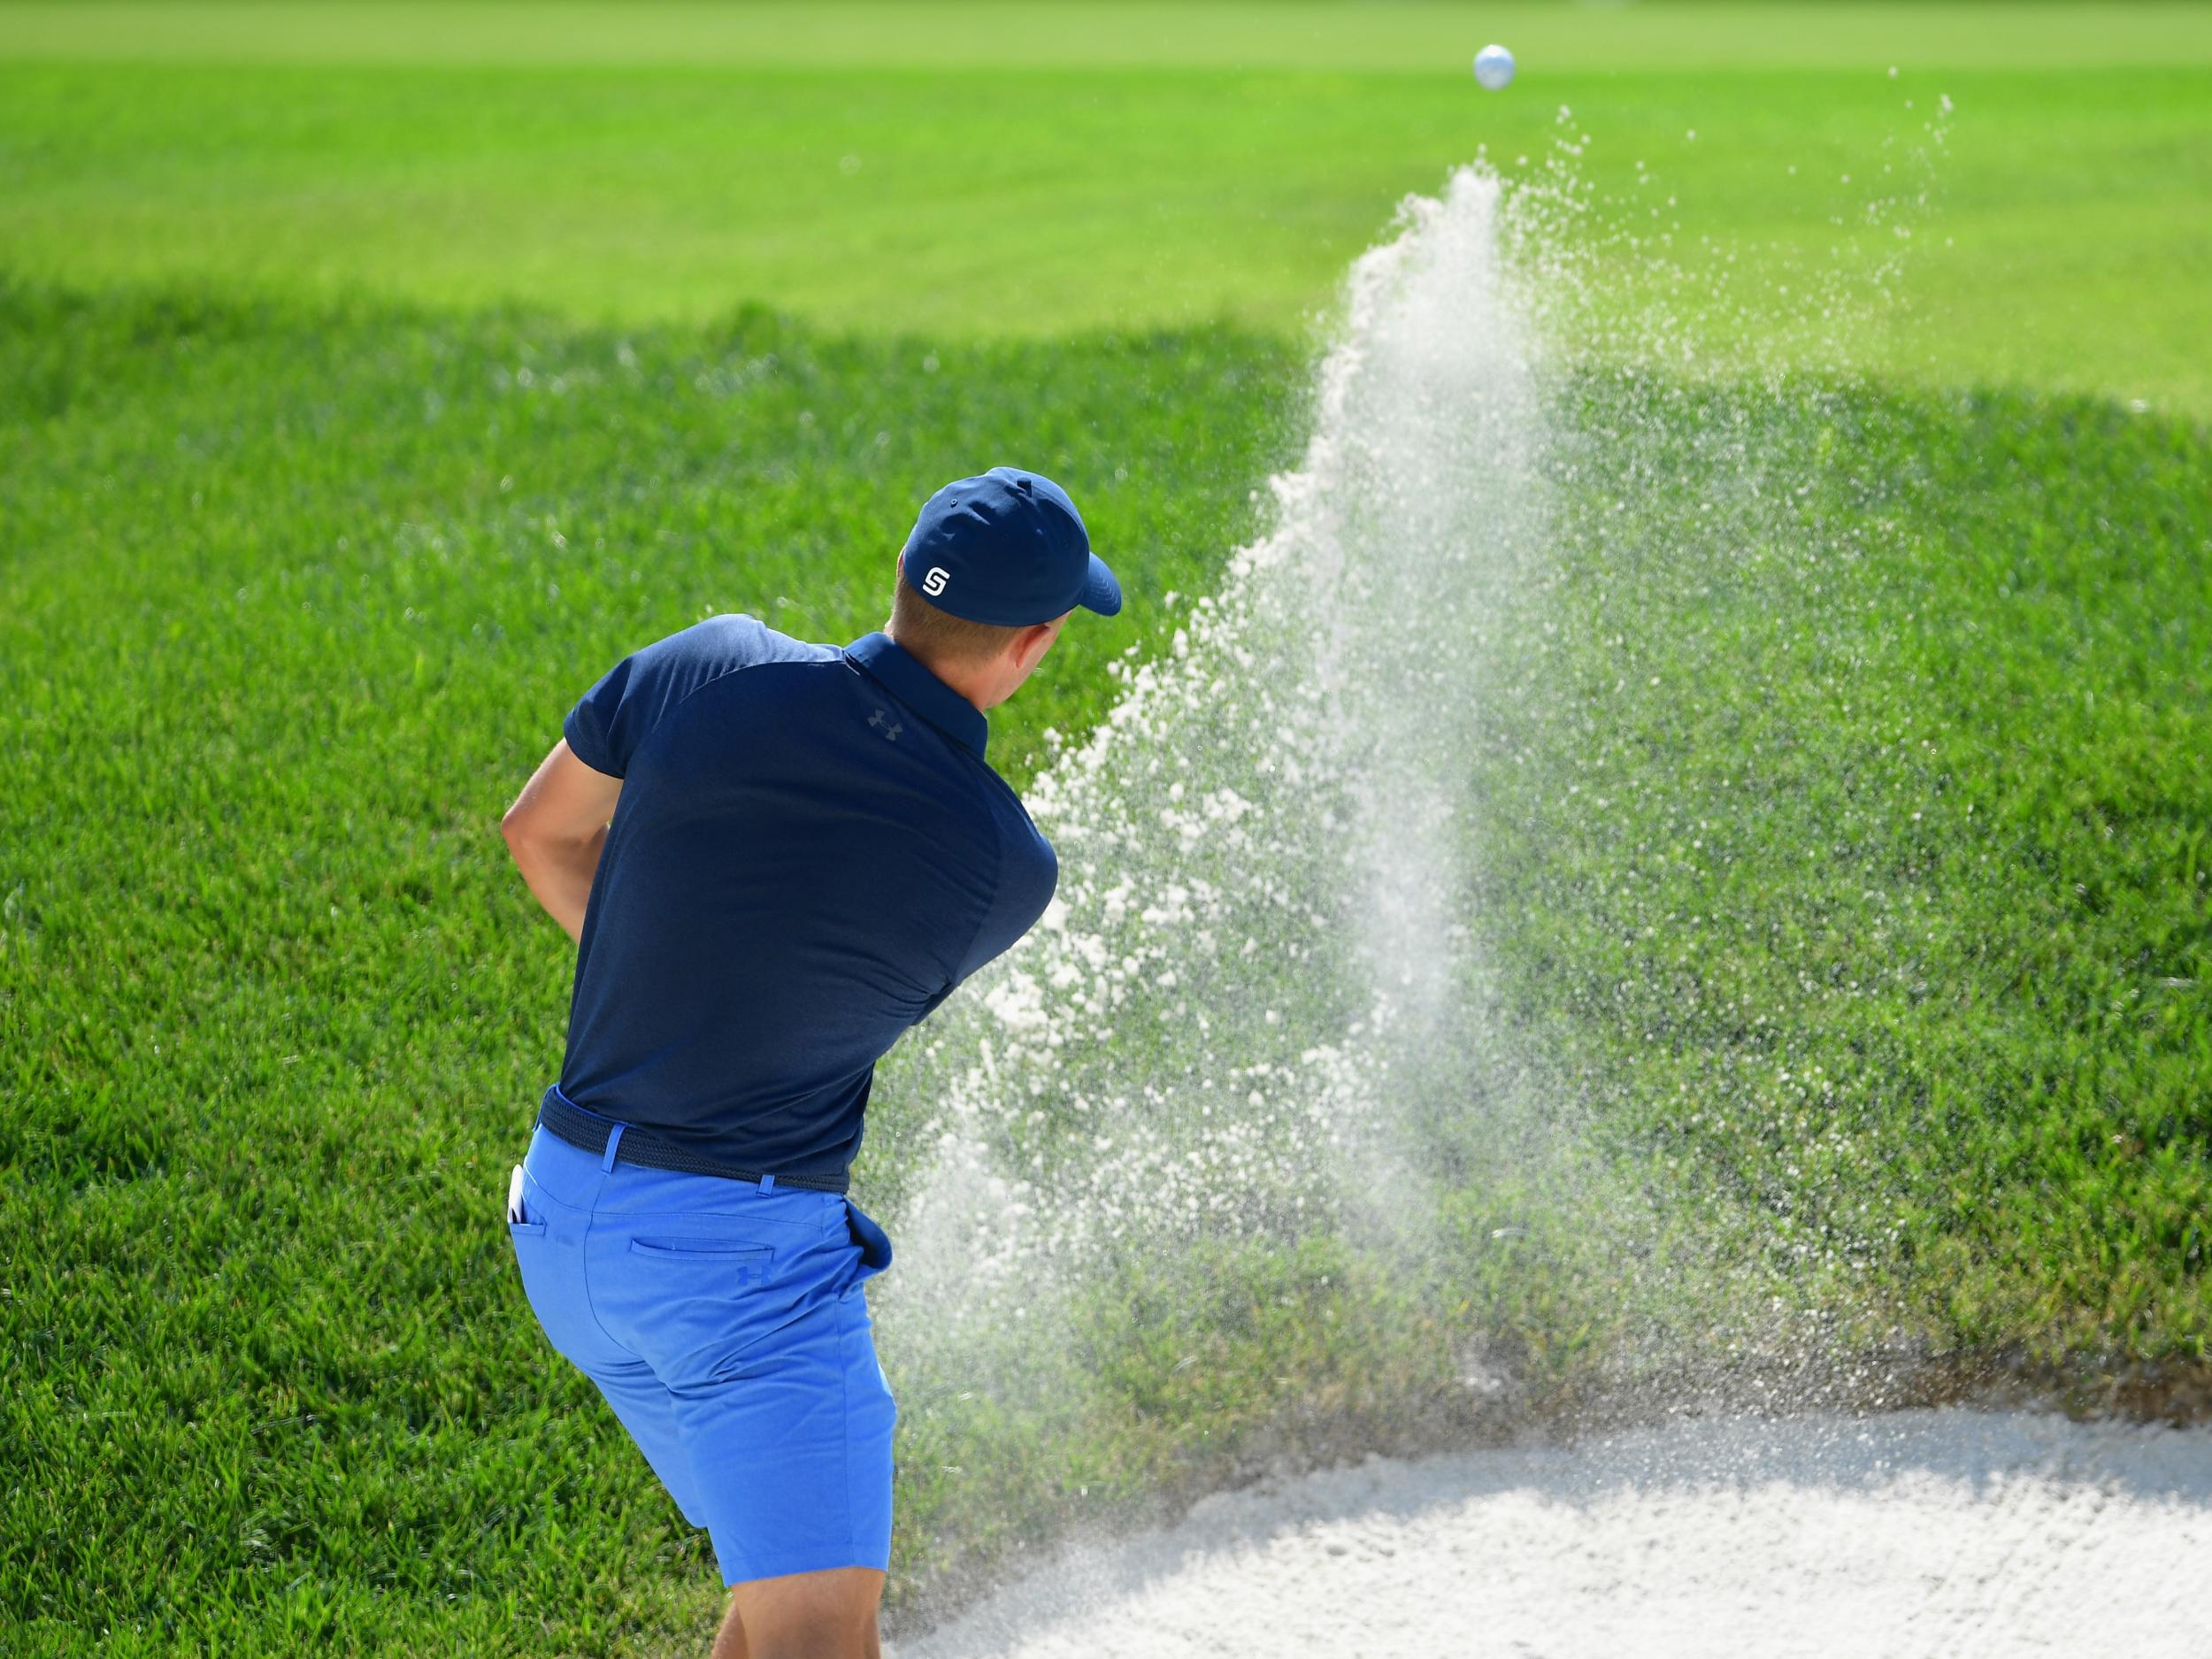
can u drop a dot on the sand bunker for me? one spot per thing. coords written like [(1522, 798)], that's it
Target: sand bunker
[(1946, 1532)]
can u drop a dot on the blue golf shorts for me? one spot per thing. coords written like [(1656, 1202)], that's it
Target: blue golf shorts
[(725, 1325)]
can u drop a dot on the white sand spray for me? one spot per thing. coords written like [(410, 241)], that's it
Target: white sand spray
[(1256, 971), (1259, 1010)]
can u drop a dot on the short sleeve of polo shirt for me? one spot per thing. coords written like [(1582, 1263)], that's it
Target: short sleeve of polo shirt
[(609, 721), (1028, 873)]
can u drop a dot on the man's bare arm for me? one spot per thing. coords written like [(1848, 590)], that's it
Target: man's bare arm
[(556, 829)]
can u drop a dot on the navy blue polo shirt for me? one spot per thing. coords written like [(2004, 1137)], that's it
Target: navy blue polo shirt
[(809, 854)]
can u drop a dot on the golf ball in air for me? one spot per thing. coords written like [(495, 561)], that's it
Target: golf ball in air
[(1493, 67)]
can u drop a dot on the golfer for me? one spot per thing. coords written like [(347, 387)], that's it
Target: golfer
[(808, 852)]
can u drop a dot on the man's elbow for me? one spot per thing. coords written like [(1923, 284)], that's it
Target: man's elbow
[(530, 843), (515, 831)]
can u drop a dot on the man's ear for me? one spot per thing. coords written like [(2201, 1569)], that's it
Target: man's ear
[(1031, 647)]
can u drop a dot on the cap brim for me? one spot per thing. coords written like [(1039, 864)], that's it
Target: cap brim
[(1102, 592)]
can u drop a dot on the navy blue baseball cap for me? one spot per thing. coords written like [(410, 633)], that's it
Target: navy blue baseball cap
[(1006, 547)]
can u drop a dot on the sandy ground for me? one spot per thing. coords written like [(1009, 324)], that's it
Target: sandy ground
[(1948, 1532)]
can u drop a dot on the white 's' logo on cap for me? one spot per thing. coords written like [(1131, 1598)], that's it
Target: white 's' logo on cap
[(934, 582)]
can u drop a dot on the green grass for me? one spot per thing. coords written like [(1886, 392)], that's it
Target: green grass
[(292, 602), (294, 599), (1405, 35), (1205, 166), (1862, 865)]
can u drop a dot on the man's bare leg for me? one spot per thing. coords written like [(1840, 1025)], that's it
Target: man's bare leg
[(825, 1614)]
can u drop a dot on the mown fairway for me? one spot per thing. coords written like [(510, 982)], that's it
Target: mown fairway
[(359, 405), (987, 171)]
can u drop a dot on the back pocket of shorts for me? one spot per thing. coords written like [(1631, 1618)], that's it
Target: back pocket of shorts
[(744, 1261)]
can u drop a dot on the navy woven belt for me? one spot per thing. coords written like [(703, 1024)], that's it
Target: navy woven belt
[(589, 1131)]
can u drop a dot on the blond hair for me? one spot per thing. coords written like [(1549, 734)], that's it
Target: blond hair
[(937, 636)]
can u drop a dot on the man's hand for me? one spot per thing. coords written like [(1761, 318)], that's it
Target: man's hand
[(556, 829)]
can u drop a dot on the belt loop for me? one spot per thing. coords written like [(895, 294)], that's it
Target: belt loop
[(614, 1140), (767, 1183)]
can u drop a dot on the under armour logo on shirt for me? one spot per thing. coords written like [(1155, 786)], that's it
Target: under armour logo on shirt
[(884, 724)]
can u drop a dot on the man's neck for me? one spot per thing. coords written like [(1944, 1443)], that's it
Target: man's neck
[(965, 683)]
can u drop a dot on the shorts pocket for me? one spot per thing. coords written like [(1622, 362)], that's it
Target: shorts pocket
[(526, 1240), (733, 1261), (701, 1246)]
